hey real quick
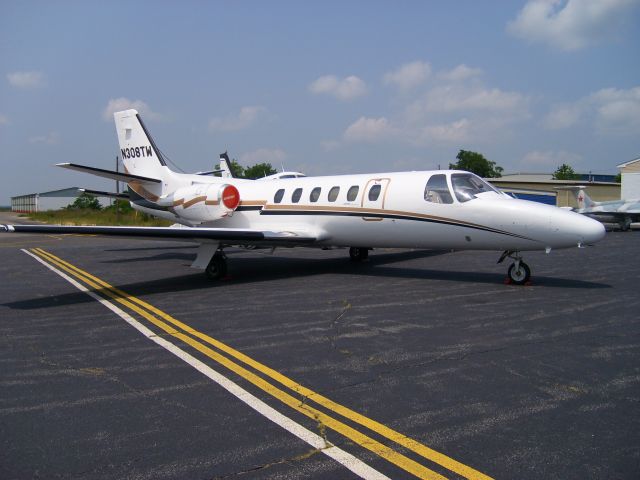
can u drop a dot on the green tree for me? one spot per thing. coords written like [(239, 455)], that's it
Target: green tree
[(618, 178), (123, 206), (565, 172), (85, 202), (476, 163), (259, 170)]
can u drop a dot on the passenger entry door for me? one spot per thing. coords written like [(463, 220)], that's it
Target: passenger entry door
[(373, 198)]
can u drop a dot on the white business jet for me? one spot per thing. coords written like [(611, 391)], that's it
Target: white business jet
[(623, 212), (430, 209)]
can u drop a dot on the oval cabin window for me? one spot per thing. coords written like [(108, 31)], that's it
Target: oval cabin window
[(374, 192)]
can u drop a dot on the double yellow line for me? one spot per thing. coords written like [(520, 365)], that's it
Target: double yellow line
[(203, 343)]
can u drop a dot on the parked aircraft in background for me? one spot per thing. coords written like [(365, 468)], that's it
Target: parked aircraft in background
[(621, 212), (429, 209), (225, 171)]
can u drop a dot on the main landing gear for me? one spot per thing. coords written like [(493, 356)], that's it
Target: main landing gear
[(358, 254), (217, 267), (519, 272)]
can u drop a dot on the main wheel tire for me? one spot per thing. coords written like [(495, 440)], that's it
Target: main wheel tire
[(358, 254), (217, 267), (520, 275)]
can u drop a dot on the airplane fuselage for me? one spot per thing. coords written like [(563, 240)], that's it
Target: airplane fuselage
[(376, 210)]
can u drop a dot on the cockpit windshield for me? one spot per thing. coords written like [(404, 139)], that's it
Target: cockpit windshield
[(467, 186)]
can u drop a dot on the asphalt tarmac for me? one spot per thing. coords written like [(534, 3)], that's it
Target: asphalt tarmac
[(540, 381)]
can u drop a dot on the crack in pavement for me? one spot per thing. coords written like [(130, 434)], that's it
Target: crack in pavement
[(274, 463), (346, 306)]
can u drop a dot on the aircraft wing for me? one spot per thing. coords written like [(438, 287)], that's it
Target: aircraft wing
[(231, 236)]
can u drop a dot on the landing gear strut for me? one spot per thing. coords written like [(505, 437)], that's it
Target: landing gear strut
[(358, 254), (519, 272), (217, 267), (625, 224)]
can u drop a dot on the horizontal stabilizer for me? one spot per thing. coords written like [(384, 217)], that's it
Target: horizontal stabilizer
[(98, 193), (100, 172), (229, 235)]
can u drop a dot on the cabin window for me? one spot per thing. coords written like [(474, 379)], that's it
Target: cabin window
[(352, 194), (437, 190), (277, 198), (333, 193), (374, 192), (315, 194), (297, 193)]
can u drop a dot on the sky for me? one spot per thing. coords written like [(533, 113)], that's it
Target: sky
[(329, 87)]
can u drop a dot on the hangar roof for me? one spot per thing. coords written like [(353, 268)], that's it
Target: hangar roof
[(64, 192)]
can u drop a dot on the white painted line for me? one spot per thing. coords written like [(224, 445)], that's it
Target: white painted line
[(346, 459)]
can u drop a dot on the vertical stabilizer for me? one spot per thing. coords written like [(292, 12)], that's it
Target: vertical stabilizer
[(584, 200), (138, 151), (580, 194), (225, 166)]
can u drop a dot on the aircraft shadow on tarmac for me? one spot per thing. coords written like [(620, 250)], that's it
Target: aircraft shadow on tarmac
[(246, 271)]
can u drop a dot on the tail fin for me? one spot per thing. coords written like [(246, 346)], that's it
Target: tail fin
[(225, 166), (580, 194), (584, 200), (139, 153)]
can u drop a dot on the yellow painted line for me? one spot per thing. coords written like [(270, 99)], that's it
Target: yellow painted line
[(361, 439), (407, 442)]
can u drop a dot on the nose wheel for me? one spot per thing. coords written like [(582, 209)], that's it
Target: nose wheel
[(519, 272)]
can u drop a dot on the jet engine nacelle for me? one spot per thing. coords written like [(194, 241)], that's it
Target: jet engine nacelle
[(205, 203)]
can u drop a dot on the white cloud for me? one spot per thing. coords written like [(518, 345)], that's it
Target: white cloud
[(26, 79), (274, 156), (119, 104), (452, 112), (563, 116), (367, 129), (52, 138), (409, 75), (246, 117), (343, 89), (454, 132), (463, 99), (617, 111), (609, 111), (4, 120), (571, 24), (460, 73), (539, 160)]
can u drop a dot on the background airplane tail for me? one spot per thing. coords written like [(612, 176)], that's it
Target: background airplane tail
[(580, 194), (138, 151)]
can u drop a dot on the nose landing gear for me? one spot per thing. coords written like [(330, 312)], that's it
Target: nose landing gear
[(519, 272)]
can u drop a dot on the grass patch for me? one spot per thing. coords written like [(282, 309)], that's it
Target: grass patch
[(97, 217)]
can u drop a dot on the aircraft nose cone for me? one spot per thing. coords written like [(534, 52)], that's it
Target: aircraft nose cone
[(591, 230)]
